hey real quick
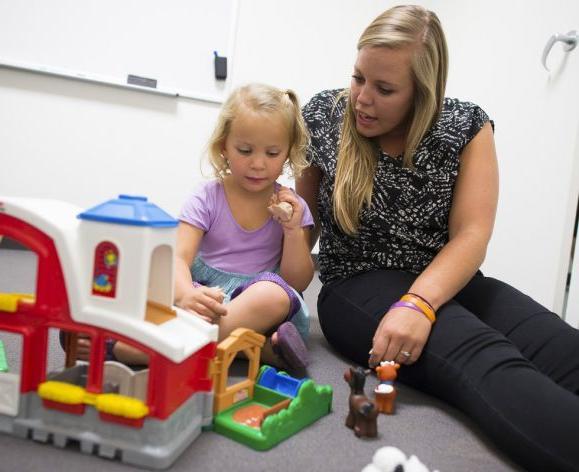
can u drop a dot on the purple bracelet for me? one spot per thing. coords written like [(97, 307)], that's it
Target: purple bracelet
[(401, 304), (196, 284)]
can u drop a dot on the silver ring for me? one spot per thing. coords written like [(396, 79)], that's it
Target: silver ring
[(405, 353)]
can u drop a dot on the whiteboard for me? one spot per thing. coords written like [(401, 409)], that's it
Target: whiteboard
[(171, 42)]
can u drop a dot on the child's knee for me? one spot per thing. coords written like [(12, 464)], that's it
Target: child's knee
[(276, 297)]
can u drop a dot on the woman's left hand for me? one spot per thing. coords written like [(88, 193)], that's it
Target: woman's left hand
[(286, 194), (400, 337)]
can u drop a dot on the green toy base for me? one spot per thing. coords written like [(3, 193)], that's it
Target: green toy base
[(311, 403)]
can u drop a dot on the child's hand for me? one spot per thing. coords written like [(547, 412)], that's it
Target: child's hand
[(287, 195), (205, 302)]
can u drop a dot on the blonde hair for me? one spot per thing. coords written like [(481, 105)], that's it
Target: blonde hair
[(262, 99), (396, 28)]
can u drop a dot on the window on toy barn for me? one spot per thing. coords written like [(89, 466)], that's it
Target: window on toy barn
[(18, 274), (160, 286), (10, 365), (105, 270), (129, 378), (68, 355)]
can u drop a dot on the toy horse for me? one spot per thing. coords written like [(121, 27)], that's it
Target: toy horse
[(363, 413), (385, 391)]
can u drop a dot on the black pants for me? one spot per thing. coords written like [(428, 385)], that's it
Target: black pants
[(494, 353)]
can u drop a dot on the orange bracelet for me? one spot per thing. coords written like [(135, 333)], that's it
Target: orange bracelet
[(420, 303), (422, 298)]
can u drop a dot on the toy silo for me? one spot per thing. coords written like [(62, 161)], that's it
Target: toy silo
[(128, 248)]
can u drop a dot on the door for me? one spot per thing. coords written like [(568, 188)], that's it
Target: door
[(495, 52)]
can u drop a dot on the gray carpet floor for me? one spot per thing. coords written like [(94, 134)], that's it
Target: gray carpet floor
[(440, 436)]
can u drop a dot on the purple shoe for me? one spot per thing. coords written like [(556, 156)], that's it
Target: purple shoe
[(291, 348)]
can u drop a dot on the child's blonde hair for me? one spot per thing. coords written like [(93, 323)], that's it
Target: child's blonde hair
[(268, 100)]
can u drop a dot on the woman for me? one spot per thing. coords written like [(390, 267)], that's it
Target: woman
[(404, 185)]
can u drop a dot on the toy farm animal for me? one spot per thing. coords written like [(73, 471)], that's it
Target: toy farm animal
[(363, 414)]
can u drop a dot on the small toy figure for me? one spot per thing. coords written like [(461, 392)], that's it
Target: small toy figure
[(281, 210), (392, 459), (363, 414), (385, 391)]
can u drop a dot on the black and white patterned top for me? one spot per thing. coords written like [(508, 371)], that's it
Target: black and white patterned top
[(407, 223)]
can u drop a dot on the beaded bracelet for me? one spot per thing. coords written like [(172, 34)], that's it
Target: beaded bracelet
[(424, 307), (196, 284)]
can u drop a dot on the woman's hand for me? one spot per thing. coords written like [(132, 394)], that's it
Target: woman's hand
[(287, 195), (205, 302), (400, 337)]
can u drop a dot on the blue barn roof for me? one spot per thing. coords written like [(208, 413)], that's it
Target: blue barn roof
[(130, 210)]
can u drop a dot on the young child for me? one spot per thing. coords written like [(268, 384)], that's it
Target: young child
[(237, 265)]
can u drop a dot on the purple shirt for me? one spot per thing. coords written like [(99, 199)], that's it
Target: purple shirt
[(226, 245)]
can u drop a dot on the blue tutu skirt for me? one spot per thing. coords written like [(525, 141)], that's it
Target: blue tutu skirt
[(233, 284)]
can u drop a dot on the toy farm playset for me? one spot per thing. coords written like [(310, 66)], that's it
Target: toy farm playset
[(107, 274)]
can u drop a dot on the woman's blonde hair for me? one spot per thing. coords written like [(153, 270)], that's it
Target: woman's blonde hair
[(265, 99), (396, 28)]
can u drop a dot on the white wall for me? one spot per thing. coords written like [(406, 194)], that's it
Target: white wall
[(85, 143)]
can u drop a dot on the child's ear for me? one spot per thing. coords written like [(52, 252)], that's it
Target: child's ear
[(223, 152), (222, 147)]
